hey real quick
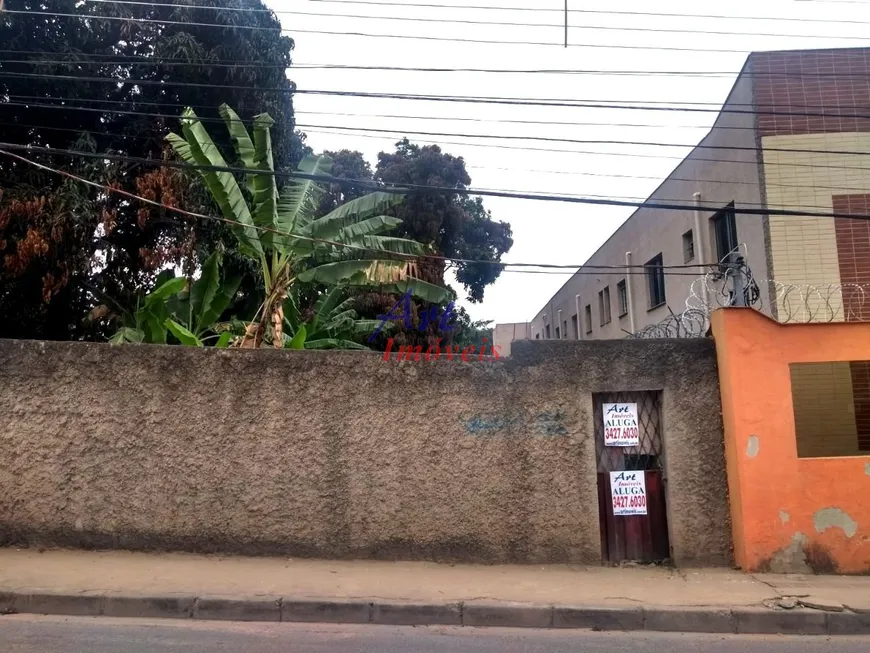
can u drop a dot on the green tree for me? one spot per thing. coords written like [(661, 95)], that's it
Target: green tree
[(280, 232), (91, 241), (455, 225)]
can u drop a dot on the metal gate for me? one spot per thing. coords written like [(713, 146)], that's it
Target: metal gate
[(635, 537)]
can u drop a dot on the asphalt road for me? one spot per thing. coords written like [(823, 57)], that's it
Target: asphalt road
[(40, 634)]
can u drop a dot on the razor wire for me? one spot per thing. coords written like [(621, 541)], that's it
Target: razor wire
[(731, 283)]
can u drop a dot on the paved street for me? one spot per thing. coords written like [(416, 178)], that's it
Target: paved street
[(39, 634)]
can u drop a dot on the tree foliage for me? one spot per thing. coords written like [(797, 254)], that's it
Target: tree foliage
[(279, 228), (93, 241)]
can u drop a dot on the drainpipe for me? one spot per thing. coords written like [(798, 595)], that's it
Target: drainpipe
[(628, 292), (561, 329), (701, 249), (579, 319)]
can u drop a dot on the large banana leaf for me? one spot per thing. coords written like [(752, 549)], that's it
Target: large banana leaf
[(368, 246), (204, 290), (197, 148), (325, 306), (265, 187), (369, 227), (241, 141), (391, 276), (299, 198), (330, 225)]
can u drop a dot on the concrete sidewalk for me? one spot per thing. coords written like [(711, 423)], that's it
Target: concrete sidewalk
[(419, 593)]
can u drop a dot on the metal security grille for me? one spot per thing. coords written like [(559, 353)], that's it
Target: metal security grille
[(649, 453)]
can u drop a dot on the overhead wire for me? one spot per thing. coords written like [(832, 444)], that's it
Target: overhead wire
[(490, 7), (618, 46), (354, 130), (643, 105), (159, 60), (599, 269), (408, 187), (772, 184), (461, 21), (591, 11)]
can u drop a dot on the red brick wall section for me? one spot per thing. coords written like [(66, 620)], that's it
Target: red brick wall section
[(824, 83), (861, 395), (853, 255)]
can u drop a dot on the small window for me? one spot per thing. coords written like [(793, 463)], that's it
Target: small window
[(831, 403), (604, 305), (547, 329), (558, 337), (565, 328), (575, 327), (588, 318), (688, 246), (537, 336), (725, 233), (622, 298), (655, 278)]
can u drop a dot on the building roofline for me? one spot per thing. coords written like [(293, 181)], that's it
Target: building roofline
[(664, 181)]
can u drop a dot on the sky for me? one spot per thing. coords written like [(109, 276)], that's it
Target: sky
[(713, 48)]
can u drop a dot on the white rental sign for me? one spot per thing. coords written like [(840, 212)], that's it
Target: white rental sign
[(628, 490), (620, 425)]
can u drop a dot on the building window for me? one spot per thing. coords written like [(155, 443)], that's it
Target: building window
[(558, 337), (604, 305), (547, 330), (537, 336), (565, 329), (725, 233), (655, 279), (688, 246), (831, 403), (588, 318), (575, 327), (622, 297)]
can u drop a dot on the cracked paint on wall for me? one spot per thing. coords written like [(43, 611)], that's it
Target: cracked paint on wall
[(752, 446), (834, 518)]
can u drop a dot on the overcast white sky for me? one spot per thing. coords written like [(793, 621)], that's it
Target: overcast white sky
[(547, 232)]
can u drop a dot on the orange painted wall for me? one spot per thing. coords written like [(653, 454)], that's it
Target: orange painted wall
[(785, 510)]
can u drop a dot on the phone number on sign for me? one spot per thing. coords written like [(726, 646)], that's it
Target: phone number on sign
[(621, 433), (636, 501)]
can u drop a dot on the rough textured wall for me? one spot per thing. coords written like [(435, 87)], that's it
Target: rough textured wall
[(791, 513), (343, 454)]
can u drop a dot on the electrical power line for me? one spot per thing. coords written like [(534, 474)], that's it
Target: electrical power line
[(771, 184), (133, 60), (408, 188), (602, 11), (461, 21), (637, 105), (618, 46), (451, 7), (599, 269), (315, 129)]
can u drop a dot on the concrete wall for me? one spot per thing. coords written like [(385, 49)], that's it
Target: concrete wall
[(790, 513), (504, 334), (721, 176), (344, 454)]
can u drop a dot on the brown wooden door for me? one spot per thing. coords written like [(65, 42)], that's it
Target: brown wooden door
[(642, 538)]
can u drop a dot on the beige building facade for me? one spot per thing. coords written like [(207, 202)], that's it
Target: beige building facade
[(791, 136)]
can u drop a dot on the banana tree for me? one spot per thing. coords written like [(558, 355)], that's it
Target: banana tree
[(335, 325), (279, 230), (187, 311)]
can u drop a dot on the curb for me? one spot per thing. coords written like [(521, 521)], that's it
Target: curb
[(743, 620)]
